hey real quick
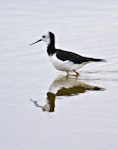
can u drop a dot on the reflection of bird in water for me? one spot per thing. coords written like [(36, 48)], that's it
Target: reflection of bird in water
[(64, 86)]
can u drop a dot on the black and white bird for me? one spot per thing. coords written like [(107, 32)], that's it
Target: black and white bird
[(64, 60)]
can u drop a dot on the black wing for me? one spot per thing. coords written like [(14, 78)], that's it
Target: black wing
[(75, 58)]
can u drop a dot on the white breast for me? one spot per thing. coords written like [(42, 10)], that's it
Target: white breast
[(64, 65)]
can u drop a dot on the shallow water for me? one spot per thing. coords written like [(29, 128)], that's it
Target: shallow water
[(40, 107)]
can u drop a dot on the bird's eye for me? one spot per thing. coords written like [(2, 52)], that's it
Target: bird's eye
[(43, 36)]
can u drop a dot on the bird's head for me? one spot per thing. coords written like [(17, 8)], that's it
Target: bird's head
[(47, 38)]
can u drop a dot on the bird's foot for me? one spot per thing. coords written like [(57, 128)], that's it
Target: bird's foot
[(77, 74)]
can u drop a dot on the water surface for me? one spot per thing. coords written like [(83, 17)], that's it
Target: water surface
[(40, 107)]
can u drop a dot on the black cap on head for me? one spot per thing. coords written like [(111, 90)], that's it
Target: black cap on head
[(52, 38)]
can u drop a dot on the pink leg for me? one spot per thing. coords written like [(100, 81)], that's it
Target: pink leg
[(77, 74)]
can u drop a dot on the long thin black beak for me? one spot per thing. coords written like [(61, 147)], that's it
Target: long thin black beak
[(35, 42)]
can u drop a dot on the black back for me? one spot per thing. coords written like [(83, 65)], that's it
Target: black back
[(75, 58)]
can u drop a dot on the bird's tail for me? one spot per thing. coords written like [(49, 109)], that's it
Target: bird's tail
[(98, 60)]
